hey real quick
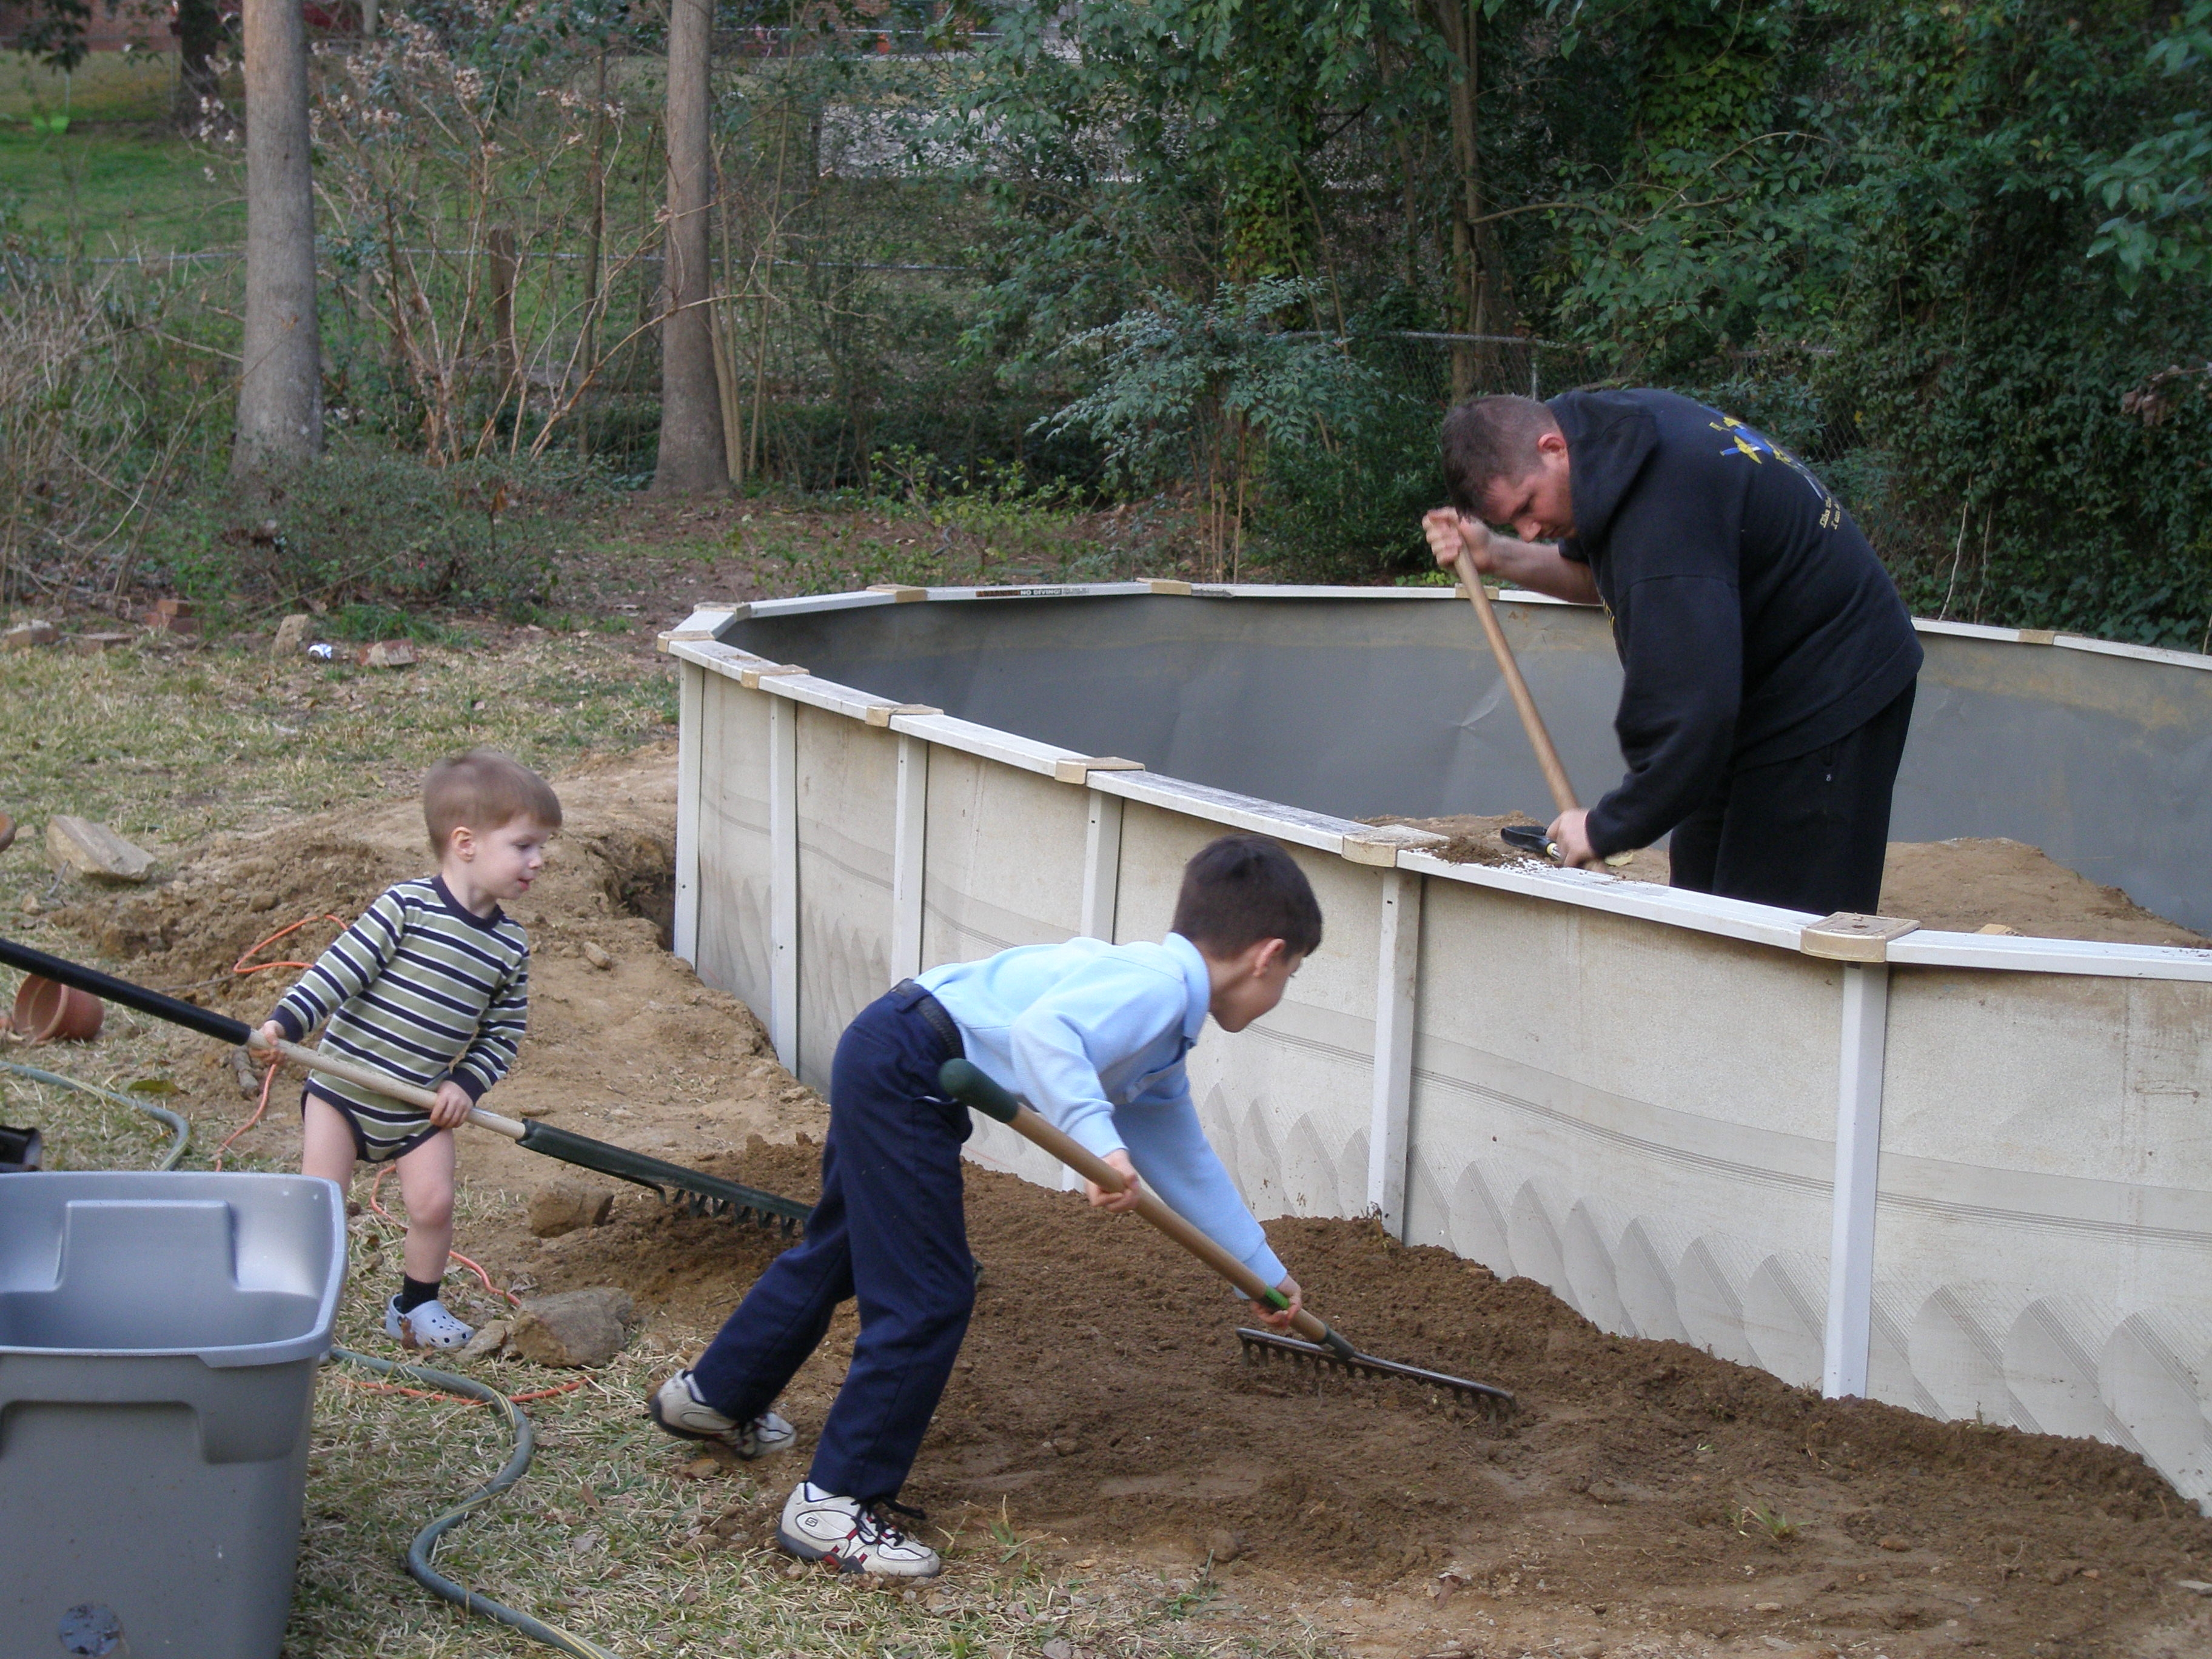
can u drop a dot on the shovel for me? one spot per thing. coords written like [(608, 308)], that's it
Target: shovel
[(1562, 787), (969, 1084), (699, 1192)]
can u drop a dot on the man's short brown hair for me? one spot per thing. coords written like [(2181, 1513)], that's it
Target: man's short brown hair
[(1489, 439), (1240, 889), (484, 789)]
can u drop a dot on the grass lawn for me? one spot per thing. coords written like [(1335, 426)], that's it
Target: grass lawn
[(118, 180), (108, 86), (117, 190)]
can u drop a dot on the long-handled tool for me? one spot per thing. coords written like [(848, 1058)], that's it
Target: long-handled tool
[(969, 1084), (1532, 719), (699, 1192)]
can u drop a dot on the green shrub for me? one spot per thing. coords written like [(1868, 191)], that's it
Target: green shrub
[(1351, 511), (370, 536)]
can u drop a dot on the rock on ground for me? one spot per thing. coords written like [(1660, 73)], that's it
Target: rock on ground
[(572, 1327), (94, 849), (563, 1207)]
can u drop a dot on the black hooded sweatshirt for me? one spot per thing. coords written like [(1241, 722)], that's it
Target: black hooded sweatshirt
[(1753, 621)]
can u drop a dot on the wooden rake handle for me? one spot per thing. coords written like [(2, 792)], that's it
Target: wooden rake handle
[(1532, 722), (367, 1077), (968, 1083)]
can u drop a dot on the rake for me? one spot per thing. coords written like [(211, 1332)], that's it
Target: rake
[(694, 1191), (969, 1084)]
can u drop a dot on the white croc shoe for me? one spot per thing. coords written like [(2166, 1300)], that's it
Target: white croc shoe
[(827, 1528), (675, 1406), (427, 1325)]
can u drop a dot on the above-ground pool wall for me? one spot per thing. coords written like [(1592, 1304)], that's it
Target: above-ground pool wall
[(1387, 702), (1642, 1118), (1635, 1097), (2046, 1229)]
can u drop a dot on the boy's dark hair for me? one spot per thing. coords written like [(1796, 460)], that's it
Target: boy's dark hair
[(484, 789), (1242, 889), (1487, 439)]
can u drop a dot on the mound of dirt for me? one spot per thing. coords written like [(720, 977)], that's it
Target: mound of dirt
[(1964, 885), (1101, 1401), (1968, 883), (613, 863)]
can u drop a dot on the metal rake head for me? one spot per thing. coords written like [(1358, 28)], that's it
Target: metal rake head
[(735, 1209), (1262, 1346), (696, 1191)]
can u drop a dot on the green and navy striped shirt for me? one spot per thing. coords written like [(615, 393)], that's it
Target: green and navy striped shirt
[(420, 988)]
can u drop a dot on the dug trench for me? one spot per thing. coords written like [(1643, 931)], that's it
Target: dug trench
[(1644, 1498)]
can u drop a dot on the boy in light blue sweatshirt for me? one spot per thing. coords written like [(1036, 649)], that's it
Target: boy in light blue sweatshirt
[(1094, 1035)]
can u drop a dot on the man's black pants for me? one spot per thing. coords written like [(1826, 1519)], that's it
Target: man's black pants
[(1807, 833)]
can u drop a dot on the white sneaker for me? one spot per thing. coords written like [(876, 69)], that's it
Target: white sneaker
[(677, 1407), (427, 1325), (827, 1528)]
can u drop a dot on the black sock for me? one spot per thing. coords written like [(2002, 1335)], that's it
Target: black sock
[(414, 1293)]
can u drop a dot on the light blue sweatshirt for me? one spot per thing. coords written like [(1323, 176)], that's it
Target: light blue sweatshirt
[(1094, 1035)]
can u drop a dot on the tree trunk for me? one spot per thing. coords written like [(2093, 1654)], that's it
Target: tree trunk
[(280, 389), (199, 37), (506, 277), (587, 358), (692, 456), (1486, 305)]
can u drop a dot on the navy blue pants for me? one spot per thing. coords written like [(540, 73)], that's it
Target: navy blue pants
[(892, 1230)]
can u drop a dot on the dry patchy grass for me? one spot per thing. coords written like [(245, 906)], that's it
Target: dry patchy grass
[(167, 746)]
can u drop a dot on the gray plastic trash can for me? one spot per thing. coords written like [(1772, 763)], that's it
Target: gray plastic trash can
[(159, 1339)]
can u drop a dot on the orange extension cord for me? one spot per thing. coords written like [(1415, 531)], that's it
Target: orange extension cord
[(239, 967)]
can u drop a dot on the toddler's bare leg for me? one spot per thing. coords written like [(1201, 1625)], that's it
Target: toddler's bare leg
[(426, 1181), (326, 1143)]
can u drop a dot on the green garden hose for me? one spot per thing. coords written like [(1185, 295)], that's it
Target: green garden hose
[(418, 1551), (169, 1159)]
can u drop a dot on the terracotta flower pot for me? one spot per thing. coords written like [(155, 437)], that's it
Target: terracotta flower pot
[(47, 1013)]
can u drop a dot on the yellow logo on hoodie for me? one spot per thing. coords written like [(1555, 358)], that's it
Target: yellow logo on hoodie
[(1745, 441)]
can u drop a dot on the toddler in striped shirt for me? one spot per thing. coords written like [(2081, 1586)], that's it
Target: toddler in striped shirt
[(432, 986)]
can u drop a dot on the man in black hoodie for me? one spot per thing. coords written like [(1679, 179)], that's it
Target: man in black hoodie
[(1769, 663)]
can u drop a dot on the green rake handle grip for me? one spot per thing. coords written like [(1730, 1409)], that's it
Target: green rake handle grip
[(969, 1084)]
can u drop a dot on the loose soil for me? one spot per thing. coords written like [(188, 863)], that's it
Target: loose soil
[(1967, 885), (1646, 1497)]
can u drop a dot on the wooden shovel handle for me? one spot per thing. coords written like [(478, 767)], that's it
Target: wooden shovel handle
[(1547, 756), (367, 1077)]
